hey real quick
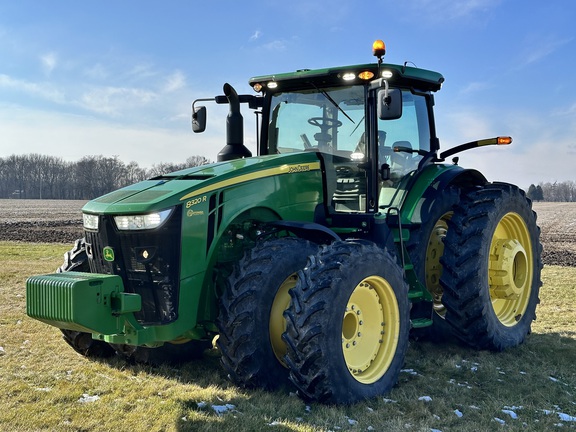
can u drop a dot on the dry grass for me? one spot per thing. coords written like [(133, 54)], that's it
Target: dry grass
[(44, 384)]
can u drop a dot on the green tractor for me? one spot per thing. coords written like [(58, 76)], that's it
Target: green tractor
[(313, 261)]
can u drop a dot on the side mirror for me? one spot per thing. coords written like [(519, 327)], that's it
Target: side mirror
[(389, 104), (199, 119)]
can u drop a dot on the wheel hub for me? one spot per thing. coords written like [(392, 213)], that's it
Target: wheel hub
[(362, 328), (508, 269)]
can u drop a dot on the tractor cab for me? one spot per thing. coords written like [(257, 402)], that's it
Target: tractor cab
[(372, 126)]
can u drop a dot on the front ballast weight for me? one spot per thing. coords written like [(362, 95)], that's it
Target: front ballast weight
[(85, 302)]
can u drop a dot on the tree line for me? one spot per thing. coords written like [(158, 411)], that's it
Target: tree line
[(553, 192), (36, 176)]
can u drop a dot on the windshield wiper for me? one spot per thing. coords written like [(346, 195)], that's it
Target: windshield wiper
[(333, 102)]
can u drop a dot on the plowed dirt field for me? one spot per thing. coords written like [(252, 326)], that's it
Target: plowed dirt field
[(55, 221)]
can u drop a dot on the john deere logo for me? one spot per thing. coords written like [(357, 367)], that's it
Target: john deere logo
[(108, 253)]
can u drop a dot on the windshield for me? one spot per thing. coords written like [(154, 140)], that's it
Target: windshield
[(334, 121), (326, 120)]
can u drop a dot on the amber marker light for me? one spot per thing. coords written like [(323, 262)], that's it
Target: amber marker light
[(257, 87), (378, 48), (366, 75), (504, 140)]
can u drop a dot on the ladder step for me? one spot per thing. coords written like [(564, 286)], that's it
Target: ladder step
[(421, 322)]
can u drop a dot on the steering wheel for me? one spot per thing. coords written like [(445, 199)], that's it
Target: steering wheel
[(315, 121)]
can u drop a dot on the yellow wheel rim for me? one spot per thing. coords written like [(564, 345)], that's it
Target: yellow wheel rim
[(370, 329), (510, 269), (433, 268), (277, 324)]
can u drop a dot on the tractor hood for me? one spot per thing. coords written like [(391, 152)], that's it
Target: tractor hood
[(172, 189)]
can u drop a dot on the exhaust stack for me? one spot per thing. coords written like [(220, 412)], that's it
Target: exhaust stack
[(235, 148)]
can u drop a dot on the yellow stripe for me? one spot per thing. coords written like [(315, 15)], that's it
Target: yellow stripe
[(283, 169)]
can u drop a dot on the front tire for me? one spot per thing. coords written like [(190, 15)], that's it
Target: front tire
[(347, 325), (492, 268), (251, 319)]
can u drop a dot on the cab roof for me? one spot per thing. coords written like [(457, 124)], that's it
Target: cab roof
[(396, 75)]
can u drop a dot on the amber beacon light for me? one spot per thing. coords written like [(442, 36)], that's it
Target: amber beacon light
[(379, 49)]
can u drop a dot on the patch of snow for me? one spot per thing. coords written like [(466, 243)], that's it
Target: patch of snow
[(86, 398), (2, 351), (389, 400), (425, 399), (201, 405), (566, 417), (464, 384), (435, 430), (221, 409), (458, 413), (275, 423), (352, 421), (499, 420), (510, 413), (43, 389)]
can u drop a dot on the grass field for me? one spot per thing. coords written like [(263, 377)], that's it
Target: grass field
[(45, 385)]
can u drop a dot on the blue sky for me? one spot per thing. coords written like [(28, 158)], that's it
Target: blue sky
[(117, 78)]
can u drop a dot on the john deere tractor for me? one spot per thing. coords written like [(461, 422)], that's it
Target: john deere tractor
[(314, 260)]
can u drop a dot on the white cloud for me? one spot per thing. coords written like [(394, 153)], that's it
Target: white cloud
[(539, 153), (475, 87), (256, 35), (174, 82), (542, 48), (276, 46), (49, 62), (73, 137), (114, 100), (42, 90)]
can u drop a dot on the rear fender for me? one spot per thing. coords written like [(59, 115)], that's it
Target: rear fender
[(434, 180)]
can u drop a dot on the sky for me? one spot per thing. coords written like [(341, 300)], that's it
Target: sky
[(117, 78)]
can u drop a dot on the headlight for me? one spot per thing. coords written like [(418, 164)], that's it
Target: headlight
[(142, 222), (90, 221)]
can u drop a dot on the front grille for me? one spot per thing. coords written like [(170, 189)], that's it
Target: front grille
[(148, 262)]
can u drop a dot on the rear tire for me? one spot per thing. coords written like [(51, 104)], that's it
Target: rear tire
[(251, 320), (492, 264), (426, 247), (347, 325)]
